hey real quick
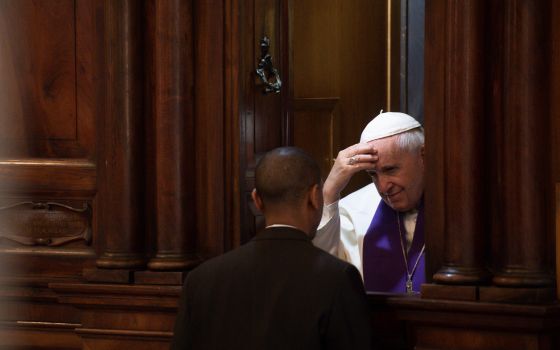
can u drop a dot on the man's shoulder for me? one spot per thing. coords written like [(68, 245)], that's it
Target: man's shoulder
[(330, 262), (218, 263)]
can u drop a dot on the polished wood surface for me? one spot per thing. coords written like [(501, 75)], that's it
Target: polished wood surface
[(557, 235), (263, 117), (524, 187), (494, 196), (402, 322), (121, 220), (210, 129), (339, 53), (142, 121), (434, 127), (173, 115), (464, 154)]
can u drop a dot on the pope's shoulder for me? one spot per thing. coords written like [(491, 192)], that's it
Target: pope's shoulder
[(355, 200)]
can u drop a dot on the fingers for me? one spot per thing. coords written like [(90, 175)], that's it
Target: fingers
[(362, 159), (359, 156), (359, 148), (349, 161)]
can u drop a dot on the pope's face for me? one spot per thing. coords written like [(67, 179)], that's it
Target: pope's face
[(398, 174)]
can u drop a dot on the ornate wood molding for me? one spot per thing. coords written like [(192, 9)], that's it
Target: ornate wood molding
[(45, 223)]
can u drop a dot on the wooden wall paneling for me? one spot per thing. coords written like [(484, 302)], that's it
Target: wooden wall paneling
[(121, 163), (40, 336), (434, 110), (526, 150), (174, 136), (247, 64), (48, 176), (40, 72), (555, 126), (263, 124), (209, 127), (465, 325), (122, 315), (557, 237), (269, 119), (395, 68), (322, 141), (233, 81), (41, 66), (340, 52), (464, 132)]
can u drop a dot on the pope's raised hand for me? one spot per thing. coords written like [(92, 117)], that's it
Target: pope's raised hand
[(358, 157)]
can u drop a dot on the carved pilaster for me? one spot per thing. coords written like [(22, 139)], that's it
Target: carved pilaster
[(121, 139)]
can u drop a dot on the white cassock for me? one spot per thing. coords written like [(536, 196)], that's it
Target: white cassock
[(345, 223)]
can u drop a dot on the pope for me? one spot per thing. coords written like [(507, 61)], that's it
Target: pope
[(380, 227)]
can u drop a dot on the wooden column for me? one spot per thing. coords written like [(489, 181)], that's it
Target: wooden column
[(174, 135), (464, 151), (524, 170), (120, 162), (210, 128)]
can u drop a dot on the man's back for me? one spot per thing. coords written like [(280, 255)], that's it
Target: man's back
[(276, 292)]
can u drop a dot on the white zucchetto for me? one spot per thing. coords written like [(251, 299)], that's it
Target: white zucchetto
[(388, 124)]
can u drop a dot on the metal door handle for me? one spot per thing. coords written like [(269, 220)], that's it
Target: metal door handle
[(266, 71)]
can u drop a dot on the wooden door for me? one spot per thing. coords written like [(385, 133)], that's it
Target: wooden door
[(264, 116), (344, 71), (48, 170)]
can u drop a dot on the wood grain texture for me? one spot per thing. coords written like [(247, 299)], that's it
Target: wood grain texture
[(488, 197), (122, 315), (46, 104), (174, 120), (122, 158), (402, 322), (525, 148), (434, 111), (232, 123), (315, 129), (465, 149), (263, 117), (34, 336), (339, 51), (557, 236), (210, 126)]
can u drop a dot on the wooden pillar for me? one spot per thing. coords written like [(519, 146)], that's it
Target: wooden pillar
[(464, 151), (173, 112), (210, 128), (120, 163), (525, 153)]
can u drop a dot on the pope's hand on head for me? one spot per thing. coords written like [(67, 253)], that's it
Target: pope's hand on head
[(358, 157)]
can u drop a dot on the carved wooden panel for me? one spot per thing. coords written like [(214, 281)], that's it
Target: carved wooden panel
[(339, 49), (45, 98), (49, 99), (264, 116), (321, 140), (48, 224)]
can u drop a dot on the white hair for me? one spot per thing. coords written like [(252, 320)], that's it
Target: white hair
[(411, 140)]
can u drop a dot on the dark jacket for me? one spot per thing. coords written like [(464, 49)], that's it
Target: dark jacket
[(277, 291)]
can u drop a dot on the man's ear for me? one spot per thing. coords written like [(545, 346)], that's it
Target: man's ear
[(316, 197), (257, 200)]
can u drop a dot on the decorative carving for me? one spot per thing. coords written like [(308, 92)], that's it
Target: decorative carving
[(45, 223)]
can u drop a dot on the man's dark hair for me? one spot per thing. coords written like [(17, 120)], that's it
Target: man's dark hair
[(285, 174)]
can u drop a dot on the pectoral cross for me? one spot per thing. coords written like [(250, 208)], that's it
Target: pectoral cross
[(409, 286)]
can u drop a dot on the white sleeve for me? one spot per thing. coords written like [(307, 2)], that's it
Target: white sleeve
[(349, 248), (337, 235), (345, 223), (328, 232)]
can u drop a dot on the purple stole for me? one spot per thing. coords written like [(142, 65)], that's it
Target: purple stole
[(383, 262)]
